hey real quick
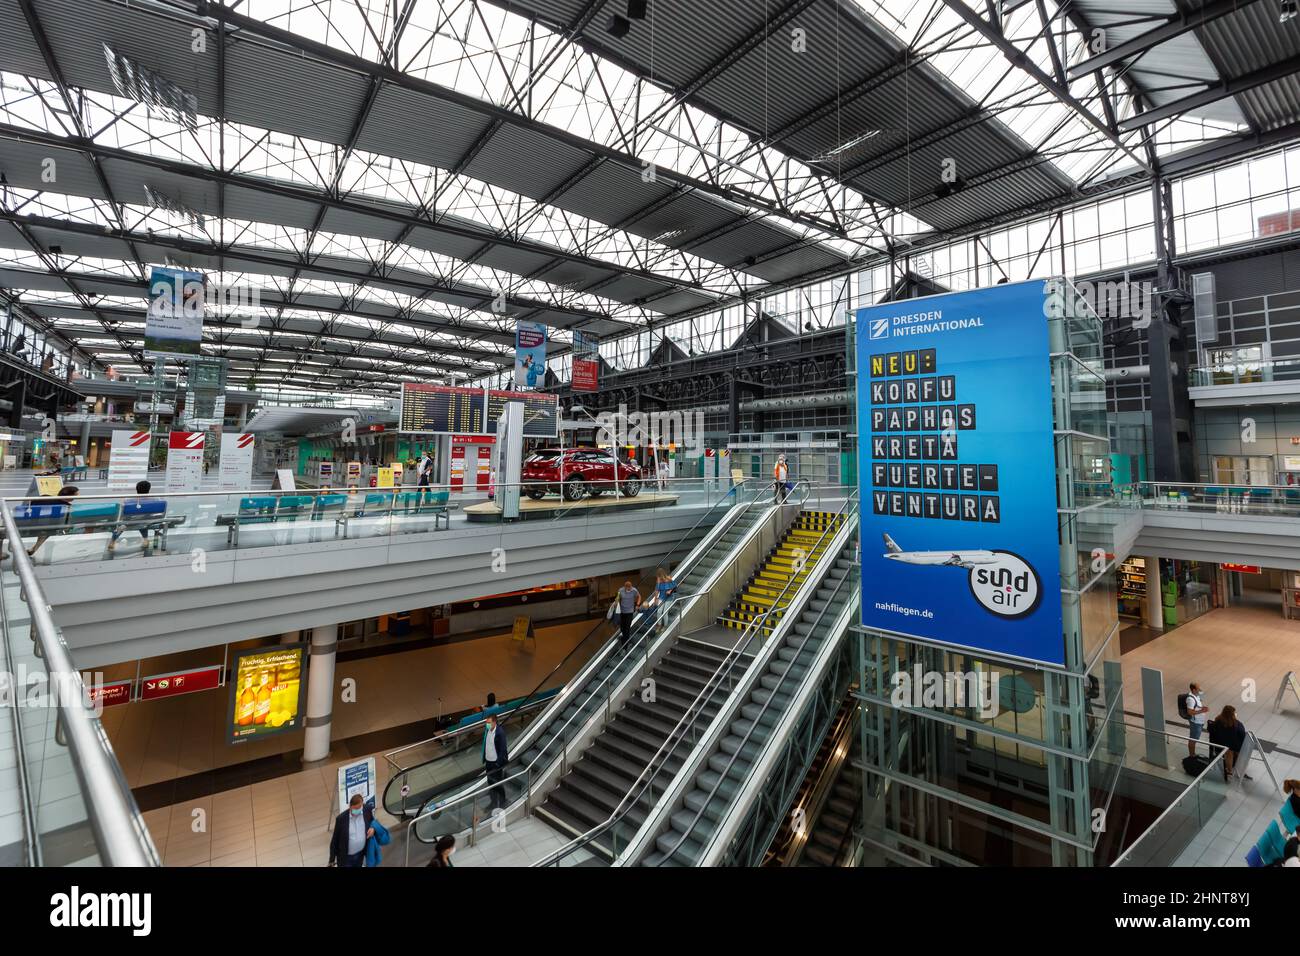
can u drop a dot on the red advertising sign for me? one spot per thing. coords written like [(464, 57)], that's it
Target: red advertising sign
[(1243, 568), (181, 682), (586, 375), (106, 695)]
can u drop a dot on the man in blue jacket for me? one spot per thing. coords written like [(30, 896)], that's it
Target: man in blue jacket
[(352, 828), (495, 755)]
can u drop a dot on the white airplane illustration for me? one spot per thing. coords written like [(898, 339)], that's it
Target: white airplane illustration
[(954, 559)]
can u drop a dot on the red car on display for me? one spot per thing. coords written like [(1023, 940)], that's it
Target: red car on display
[(578, 472)]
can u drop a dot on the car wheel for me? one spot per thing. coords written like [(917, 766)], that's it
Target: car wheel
[(631, 488), (573, 489)]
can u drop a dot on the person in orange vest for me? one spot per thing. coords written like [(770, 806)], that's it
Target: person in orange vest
[(780, 478)]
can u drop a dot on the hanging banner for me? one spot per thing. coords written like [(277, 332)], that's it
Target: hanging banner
[(184, 462), (530, 354), (174, 321), (586, 362), (959, 527), (237, 461), (128, 460)]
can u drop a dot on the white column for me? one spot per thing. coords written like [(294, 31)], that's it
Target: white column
[(320, 692), (1155, 603)]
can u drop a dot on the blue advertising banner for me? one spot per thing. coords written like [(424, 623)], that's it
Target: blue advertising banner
[(174, 322), (957, 471), (530, 354)]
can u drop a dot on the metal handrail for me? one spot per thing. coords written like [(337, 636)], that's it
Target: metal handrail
[(762, 711), (556, 669), (1217, 758), (675, 736), (332, 490), (121, 836), (30, 839), (633, 647)]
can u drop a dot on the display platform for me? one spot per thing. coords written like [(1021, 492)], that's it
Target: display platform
[(549, 506)]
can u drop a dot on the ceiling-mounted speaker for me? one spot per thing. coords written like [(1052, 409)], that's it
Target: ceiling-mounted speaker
[(636, 9), (618, 26)]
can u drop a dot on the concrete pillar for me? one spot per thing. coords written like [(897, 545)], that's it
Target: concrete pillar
[(1155, 609), (243, 415), (83, 441), (320, 693)]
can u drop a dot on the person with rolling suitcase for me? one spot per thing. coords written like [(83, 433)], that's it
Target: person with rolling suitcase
[(1191, 707)]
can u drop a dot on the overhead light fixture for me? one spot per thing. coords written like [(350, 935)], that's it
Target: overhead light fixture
[(636, 9), (668, 235), (844, 149), (1288, 10), (618, 26)]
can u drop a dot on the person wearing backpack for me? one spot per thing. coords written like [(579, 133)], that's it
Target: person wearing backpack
[(1191, 707)]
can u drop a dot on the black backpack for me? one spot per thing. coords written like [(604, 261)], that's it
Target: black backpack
[(1183, 712)]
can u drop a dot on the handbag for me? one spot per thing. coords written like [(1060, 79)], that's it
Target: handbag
[(613, 610)]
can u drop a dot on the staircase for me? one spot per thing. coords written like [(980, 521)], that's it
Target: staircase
[(682, 843), (592, 788), (793, 557), (826, 841)]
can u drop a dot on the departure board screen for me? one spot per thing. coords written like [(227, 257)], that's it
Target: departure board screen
[(442, 409), (541, 412)]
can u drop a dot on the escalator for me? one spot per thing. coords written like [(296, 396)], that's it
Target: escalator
[(723, 770), (592, 791), (803, 826), (741, 697), (830, 837), (432, 770), (444, 792)]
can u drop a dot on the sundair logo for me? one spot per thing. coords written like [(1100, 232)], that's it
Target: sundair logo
[(76, 909)]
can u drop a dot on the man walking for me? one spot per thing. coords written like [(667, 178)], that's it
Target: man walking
[(495, 754), (352, 828), (629, 599)]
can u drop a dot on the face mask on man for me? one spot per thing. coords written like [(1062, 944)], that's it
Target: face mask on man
[(357, 811)]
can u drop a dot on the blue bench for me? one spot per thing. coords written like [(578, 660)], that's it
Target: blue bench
[(148, 514), (425, 503)]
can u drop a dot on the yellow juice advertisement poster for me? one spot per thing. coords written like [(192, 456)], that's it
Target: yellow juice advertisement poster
[(266, 693)]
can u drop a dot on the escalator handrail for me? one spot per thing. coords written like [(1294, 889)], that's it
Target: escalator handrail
[(677, 735), (634, 646), (758, 719), (650, 621), (529, 698)]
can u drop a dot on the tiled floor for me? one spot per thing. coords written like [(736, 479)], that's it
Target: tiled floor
[(522, 843), (1239, 656), (287, 821), (165, 739)]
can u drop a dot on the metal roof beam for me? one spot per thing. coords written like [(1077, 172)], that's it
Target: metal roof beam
[(1212, 94), (1173, 26), (1061, 93)]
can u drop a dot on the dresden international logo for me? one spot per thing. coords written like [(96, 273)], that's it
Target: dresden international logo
[(879, 328)]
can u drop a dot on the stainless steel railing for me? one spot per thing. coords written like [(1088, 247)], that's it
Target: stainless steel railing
[(120, 835)]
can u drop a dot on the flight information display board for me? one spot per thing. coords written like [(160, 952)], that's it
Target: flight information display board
[(541, 412), (442, 409)]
